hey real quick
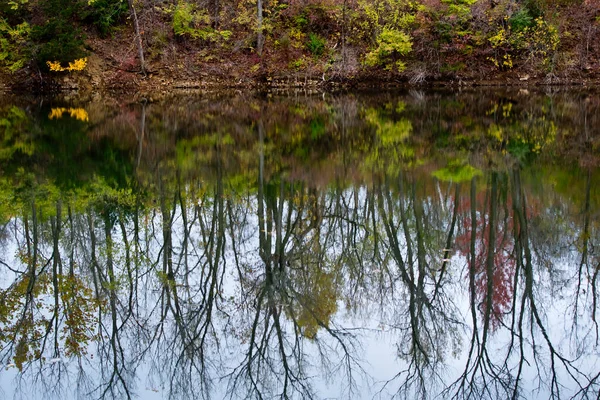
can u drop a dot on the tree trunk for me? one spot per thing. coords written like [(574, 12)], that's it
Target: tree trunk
[(138, 36), (215, 22), (260, 39)]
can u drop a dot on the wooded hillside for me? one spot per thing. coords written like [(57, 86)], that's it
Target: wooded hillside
[(132, 44)]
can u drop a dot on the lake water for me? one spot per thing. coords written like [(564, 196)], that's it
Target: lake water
[(418, 244)]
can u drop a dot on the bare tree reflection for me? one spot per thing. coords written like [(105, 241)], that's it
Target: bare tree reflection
[(423, 314), (226, 267), (487, 375), (294, 279)]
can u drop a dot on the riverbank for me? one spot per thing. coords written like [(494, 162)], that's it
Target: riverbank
[(101, 80), (312, 44)]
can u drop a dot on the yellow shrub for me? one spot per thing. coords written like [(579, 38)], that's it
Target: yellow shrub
[(77, 65)]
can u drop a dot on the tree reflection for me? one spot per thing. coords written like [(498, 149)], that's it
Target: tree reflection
[(225, 266), (493, 262), (529, 344), (293, 277), (422, 314)]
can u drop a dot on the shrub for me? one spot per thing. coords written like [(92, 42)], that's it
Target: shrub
[(372, 16), (104, 14), (455, 21), (316, 44), (188, 21), (539, 41), (391, 45), (185, 17), (521, 20), (58, 42), (58, 39), (13, 45)]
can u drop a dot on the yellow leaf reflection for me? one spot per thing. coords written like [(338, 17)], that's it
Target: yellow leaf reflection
[(78, 113)]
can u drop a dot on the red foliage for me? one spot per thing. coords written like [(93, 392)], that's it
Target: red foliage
[(504, 261)]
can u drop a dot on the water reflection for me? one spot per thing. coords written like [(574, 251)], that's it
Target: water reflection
[(408, 245)]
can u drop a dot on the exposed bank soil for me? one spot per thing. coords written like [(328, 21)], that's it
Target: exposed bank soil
[(104, 77), (108, 73)]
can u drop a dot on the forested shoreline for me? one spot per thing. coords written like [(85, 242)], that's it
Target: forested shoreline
[(95, 45)]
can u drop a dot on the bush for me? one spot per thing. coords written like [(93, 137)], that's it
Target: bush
[(316, 44), (184, 19), (455, 21), (539, 41), (521, 20), (188, 21), (391, 44), (13, 45), (104, 14), (371, 16), (59, 39), (58, 42)]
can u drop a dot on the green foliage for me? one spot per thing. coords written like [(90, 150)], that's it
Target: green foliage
[(455, 67), (62, 46), (80, 314), (58, 38), (521, 20), (371, 17), (49, 30), (319, 301), (457, 171), (391, 45), (315, 17), (16, 4), (518, 136), (539, 7), (392, 147), (460, 9), (104, 14), (389, 132), (316, 44), (15, 137), (466, 3), (191, 22), (24, 298), (183, 18), (455, 21), (301, 21), (539, 42), (383, 26), (13, 45), (298, 63)]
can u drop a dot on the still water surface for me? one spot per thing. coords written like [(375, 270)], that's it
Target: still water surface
[(410, 245)]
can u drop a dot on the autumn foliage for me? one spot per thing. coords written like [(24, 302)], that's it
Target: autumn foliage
[(417, 41)]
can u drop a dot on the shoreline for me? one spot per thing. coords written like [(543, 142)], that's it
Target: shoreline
[(102, 47), (139, 86)]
